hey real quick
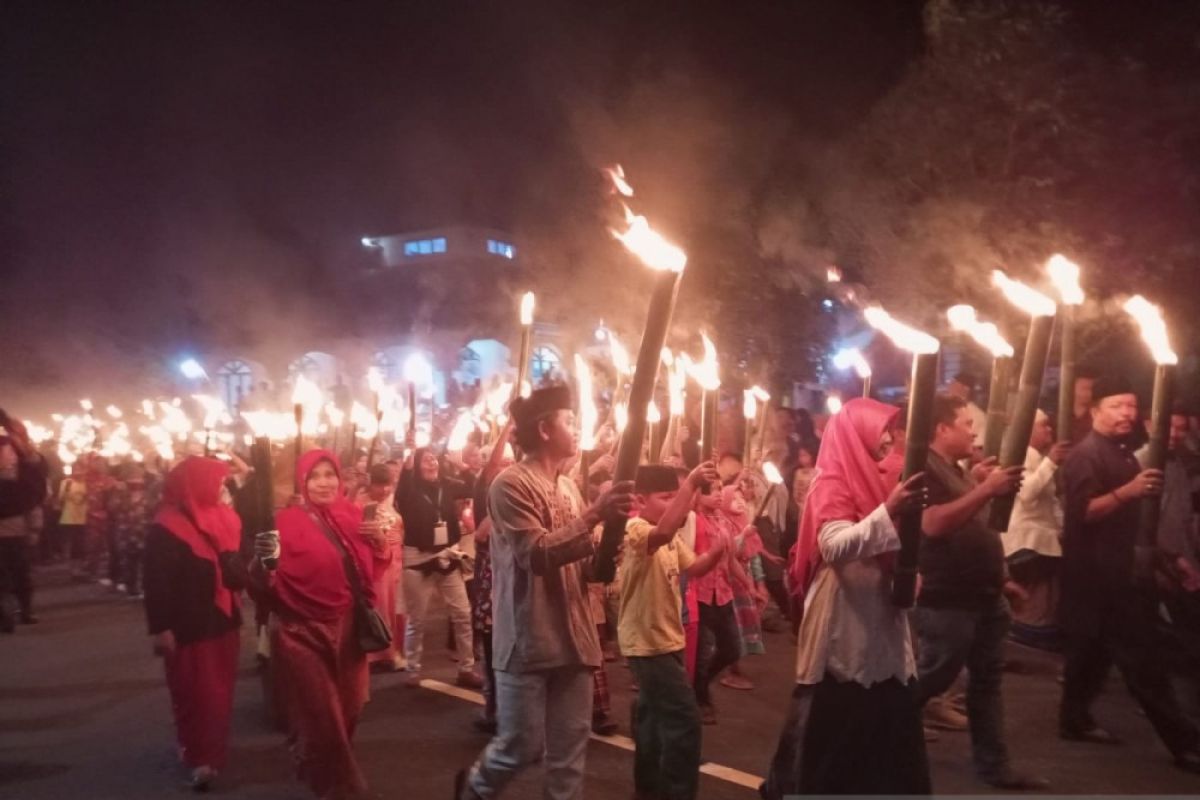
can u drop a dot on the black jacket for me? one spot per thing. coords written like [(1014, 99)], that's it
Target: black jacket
[(179, 589), (27, 492), (421, 505)]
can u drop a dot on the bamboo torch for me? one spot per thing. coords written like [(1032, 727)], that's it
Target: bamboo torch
[(852, 357), (916, 449), (1064, 274), (1037, 347), (588, 418), (987, 335), (749, 413), (764, 400), (1154, 332), (383, 396), (418, 373), (305, 398), (774, 478), (523, 382), (707, 373), (668, 261), (653, 424), (676, 386)]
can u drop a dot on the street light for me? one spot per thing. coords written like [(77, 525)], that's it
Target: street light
[(192, 370)]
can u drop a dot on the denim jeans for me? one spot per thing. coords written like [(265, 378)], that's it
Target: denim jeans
[(950, 639), (666, 728), (544, 714)]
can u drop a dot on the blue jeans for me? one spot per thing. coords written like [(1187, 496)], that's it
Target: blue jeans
[(950, 639)]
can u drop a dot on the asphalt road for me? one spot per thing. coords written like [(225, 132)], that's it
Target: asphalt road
[(84, 713)]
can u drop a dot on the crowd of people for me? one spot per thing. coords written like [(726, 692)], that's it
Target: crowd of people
[(506, 534)]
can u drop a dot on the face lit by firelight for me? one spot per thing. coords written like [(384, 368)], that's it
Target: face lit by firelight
[(322, 484)]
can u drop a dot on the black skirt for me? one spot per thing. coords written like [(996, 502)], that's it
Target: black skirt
[(843, 738)]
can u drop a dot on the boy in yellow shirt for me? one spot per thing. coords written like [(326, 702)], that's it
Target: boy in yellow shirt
[(666, 720)]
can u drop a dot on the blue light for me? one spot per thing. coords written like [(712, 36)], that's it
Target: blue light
[(192, 370), (827, 304)]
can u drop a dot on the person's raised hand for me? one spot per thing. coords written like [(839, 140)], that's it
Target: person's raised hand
[(909, 495), (615, 503), (981, 469), (1059, 452), (704, 475), (1003, 480)]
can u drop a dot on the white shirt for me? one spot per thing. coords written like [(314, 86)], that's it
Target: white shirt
[(851, 629), (1037, 517)]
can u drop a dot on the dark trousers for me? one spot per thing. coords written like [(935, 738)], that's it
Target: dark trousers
[(666, 729), (15, 576), (721, 624), (950, 639), (779, 594), (489, 676), (1129, 637)]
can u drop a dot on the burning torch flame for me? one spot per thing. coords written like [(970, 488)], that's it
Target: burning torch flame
[(214, 410), (463, 427), (616, 174), (749, 404), (1064, 274), (771, 473), (707, 372), (649, 245), (336, 415), (620, 356), (852, 357), (833, 404), (86, 404), (1024, 297), (667, 357), (760, 394), (904, 336), (833, 275), (653, 415), (1154, 329), (418, 371), (527, 301), (986, 335), (114, 412), (588, 415), (676, 384), (375, 381), (621, 416), (363, 420)]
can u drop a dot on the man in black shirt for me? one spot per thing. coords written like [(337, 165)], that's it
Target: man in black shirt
[(962, 617), (1109, 607)]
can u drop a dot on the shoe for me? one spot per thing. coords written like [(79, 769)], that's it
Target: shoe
[(462, 789), (1092, 735), (1015, 781), (941, 715), (1189, 761), (708, 714), (120, 587), (202, 778), (104, 582), (603, 725), (484, 725), (468, 679), (931, 735), (399, 663), (736, 682)]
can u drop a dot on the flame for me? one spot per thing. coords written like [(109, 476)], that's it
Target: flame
[(498, 398), (375, 381), (620, 356), (749, 404), (905, 337), (621, 416), (305, 392), (114, 412), (37, 433), (336, 416), (833, 404), (273, 425), (363, 420), (653, 415), (852, 357), (1064, 274), (1154, 329), (86, 404), (418, 371), (616, 174), (707, 372), (527, 301), (833, 275), (214, 410), (148, 409), (1024, 297), (588, 415), (667, 357), (464, 426), (760, 394), (986, 335), (649, 245), (677, 384), (174, 421), (771, 473)]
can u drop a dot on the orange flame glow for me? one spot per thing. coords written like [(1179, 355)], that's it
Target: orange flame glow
[(677, 384), (1064, 274), (771, 473), (588, 415), (527, 301), (749, 404), (1024, 297), (616, 174), (986, 335), (904, 336), (1154, 329), (649, 245), (707, 372)]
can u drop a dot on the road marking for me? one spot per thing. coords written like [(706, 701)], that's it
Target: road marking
[(718, 771)]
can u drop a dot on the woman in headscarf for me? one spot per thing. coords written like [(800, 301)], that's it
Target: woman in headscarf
[(428, 503), (320, 670), (192, 581), (854, 726)]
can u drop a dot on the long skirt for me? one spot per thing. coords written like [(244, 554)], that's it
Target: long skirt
[(845, 738), (322, 679), (200, 677), (385, 582)]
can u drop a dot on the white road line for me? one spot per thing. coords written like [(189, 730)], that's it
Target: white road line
[(727, 774)]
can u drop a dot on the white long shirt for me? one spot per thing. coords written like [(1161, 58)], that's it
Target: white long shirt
[(1037, 518), (851, 629)]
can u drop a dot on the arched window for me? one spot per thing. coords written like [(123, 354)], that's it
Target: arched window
[(386, 365), (305, 365), (544, 360), (235, 379), (470, 364)]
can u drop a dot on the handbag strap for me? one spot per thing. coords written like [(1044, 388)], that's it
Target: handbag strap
[(348, 565)]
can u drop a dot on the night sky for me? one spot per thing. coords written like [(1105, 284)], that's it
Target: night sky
[(171, 167)]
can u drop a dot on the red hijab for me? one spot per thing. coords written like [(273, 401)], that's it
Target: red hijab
[(193, 512), (311, 579), (848, 483)]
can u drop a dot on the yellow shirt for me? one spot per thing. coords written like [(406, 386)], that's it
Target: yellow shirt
[(73, 495), (650, 622)]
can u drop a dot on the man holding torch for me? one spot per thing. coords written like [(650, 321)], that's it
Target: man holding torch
[(1108, 615)]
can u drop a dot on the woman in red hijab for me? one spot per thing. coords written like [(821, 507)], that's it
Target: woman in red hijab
[(320, 670), (192, 608), (854, 726)]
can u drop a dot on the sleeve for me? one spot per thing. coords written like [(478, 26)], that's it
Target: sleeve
[(637, 536), (535, 548), (1039, 473), (160, 567), (841, 541)]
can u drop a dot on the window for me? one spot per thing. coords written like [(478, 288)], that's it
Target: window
[(235, 380), (386, 366), (305, 365), (542, 363), (425, 247), (497, 247), (470, 364)]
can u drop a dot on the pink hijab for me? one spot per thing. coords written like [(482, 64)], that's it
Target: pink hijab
[(848, 483), (311, 580)]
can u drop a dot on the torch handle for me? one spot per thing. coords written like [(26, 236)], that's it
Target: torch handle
[(1066, 374), (766, 499), (1156, 458), (658, 319), (916, 452)]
